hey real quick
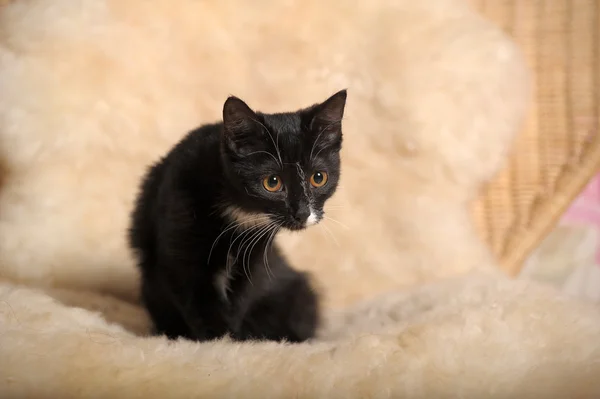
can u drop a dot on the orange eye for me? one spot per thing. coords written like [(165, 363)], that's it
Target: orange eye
[(272, 183), (318, 179)]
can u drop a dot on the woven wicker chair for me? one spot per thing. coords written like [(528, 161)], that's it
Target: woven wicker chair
[(559, 149)]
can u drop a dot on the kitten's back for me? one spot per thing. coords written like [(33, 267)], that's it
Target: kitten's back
[(197, 151)]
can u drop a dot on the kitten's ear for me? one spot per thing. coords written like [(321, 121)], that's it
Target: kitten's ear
[(327, 118), (332, 109), (237, 116), (239, 122)]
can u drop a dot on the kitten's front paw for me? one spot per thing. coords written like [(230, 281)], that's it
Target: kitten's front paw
[(290, 312)]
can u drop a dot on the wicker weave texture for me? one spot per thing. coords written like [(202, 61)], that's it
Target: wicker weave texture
[(559, 148)]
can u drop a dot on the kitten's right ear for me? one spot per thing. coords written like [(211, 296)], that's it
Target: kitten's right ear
[(331, 111), (326, 120), (239, 121)]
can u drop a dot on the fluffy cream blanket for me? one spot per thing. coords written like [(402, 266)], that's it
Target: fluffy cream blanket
[(92, 91)]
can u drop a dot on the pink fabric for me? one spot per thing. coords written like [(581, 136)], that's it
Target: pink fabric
[(586, 209)]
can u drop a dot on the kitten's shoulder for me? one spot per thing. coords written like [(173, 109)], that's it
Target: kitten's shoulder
[(203, 137), (192, 157)]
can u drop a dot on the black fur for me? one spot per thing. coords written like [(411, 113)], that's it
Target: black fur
[(183, 228)]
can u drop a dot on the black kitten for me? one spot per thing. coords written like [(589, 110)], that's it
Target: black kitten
[(207, 214)]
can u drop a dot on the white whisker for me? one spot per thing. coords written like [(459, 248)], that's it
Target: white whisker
[(252, 241), (244, 235), (262, 152), (265, 257), (331, 234), (263, 232), (336, 221), (248, 235), (232, 225), (274, 143)]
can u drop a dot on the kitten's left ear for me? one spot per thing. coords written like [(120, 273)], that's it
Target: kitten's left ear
[(327, 118), (239, 123), (237, 116)]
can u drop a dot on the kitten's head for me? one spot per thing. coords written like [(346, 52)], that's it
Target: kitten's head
[(281, 167)]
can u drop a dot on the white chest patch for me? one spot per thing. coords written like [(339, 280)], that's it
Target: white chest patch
[(244, 218)]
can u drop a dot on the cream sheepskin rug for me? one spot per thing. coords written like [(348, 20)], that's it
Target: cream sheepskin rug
[(92, 91)]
